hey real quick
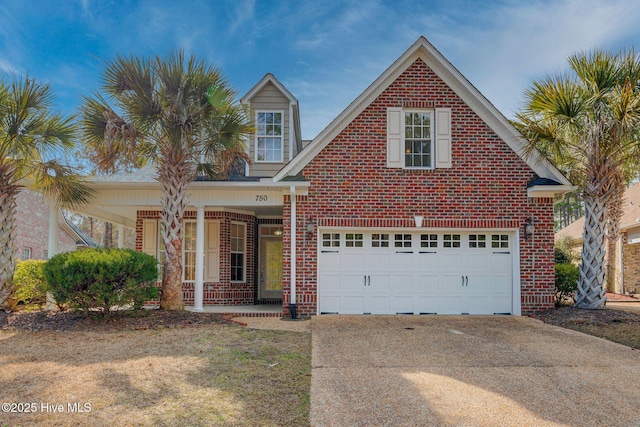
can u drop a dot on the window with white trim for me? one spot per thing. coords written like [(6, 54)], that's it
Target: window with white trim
[(477, 241), (353, 240), (402, 240), (331, 240), (26, 253), (379, 240), (451, 240), (428, 240), (189, 251), (418, 139), (238, 251), (269, 136), (499, 240)]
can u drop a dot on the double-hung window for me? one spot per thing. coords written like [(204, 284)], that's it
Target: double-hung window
[(238, 250), (269, 136), (418, 139), (189, 251)]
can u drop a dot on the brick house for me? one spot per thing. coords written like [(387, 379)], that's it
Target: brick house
[(628, 246), (31, 235), (415, 199)]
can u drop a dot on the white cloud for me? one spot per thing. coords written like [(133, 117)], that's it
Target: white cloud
[(515, 44)]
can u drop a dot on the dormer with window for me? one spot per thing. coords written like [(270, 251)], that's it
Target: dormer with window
[(277, 137)]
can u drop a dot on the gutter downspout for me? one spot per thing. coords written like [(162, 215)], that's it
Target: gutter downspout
[(292, 263)]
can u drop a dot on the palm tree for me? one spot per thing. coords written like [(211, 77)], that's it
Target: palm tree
[(31, 137), (181, 115), (587, 121)]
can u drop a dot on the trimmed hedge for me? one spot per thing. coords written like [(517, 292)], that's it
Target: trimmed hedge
[(31, 285), (102, 278)]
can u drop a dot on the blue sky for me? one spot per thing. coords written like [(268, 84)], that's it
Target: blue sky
[(325, 52)]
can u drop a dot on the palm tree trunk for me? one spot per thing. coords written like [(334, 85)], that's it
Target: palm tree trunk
[(174, 177), (614, 214), (7, 249), (591, 293)]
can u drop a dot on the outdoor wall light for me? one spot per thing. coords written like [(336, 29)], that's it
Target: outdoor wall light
[(277, 232), (528, 228), (311, 226), (418, 219)]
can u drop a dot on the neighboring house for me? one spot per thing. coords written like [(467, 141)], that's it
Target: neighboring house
[(415, 199), (628, 246), (31, 235)]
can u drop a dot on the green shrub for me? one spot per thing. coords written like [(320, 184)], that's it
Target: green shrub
[(566, 283), (31, 286), (102, 278)]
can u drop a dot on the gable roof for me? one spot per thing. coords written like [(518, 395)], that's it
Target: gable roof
[(423, 50), (268, 78), (630, 216)]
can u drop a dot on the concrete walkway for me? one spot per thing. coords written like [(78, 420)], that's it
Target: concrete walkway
[(466, 370)]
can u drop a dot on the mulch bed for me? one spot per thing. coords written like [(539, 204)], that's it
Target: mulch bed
[(567, 316), (118, 321)]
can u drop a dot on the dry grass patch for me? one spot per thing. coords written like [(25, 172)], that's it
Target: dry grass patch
[(614, 325), (210, 375)]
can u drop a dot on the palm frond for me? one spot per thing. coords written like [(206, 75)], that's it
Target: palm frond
[(61, 183)]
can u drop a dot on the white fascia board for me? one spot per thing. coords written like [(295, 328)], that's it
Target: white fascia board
[(549, 191), (268, 78), (422, 49), (263, 183)]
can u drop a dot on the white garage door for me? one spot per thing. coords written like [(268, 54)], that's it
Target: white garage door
[(390, 272)]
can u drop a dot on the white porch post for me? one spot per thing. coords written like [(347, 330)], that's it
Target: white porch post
[(292, 263), (198, 291), (50, 303), (53, 230), (120, 236)]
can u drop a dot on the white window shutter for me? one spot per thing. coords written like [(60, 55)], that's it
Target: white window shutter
[(443, 138), (212, 251), (150, 237), (394, 137)]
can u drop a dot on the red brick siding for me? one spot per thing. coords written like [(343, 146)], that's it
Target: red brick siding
[(487, 187), (32, 227), (223, 292)]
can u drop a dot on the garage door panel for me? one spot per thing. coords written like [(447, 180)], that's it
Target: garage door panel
[(330, 282), (352, 304), (426, 283), (402, 283), (452, 304), (353, 261), (403, 261), (353, 282), (426, 304), (401, 304)]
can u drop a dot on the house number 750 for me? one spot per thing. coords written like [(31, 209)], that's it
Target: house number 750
[(261, 197)]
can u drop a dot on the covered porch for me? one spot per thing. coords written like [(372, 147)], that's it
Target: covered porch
[(232, 236)]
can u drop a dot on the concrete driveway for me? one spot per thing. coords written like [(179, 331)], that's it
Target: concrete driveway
[(468, 371)]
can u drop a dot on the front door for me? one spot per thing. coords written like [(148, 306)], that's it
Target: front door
[(270, 268)]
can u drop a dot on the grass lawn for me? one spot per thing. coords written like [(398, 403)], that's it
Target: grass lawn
[(210, 375)]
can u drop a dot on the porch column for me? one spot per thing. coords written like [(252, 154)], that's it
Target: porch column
[(50, 302), (53, 229), (292, 263), (120, 236), (198, 291)]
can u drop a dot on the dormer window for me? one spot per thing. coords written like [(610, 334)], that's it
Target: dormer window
[(269, 136)]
